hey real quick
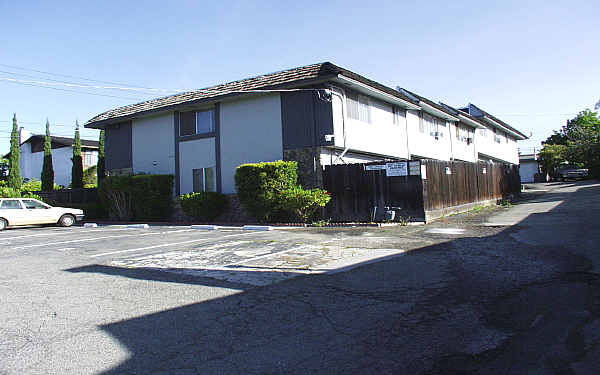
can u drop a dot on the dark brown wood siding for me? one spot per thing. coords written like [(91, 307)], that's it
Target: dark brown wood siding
[(117, 146)]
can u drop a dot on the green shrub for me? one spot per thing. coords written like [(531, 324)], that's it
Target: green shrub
[(139, 197), (205, 206), (303, 203), (90, 177), (258, 186), (8, 192), (32, 185)]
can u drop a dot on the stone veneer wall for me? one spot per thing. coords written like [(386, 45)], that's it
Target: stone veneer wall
[(233, 214), (310, 171)]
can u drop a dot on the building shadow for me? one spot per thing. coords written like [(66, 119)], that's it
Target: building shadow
[(403, 315)]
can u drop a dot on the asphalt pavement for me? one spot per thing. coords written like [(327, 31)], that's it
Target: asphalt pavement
[(495, 291)]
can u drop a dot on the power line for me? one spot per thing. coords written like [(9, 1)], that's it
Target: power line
[(55, 82), (537, 114), (74, 91), (66, 76), (41, 123)]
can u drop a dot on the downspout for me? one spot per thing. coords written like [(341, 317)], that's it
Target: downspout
[(450, 137), (406, 127), (333, 92)]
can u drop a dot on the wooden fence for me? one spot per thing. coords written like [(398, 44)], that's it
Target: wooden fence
[(424, 187), (83, 195)]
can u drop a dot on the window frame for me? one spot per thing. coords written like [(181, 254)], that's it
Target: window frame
[(399, 115), (21, 206), (212, 125), (357, 105), (203, 175)]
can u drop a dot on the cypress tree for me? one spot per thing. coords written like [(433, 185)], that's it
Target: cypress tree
[(77, 170), (101, 168), (47, 168), (14, 177)]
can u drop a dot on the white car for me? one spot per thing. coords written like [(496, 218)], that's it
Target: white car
[(29, 211)]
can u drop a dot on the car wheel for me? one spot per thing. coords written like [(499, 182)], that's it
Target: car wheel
[(3, 224), (66, 220)]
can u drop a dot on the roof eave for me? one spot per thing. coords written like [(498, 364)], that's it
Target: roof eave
[(360, 86), (437, 112), (468, 121), (494, 123)]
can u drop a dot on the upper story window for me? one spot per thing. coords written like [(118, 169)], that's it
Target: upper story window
[(200, 122), (89, 159), (399, 116), (464, 134), (358, 107), (434, 125)]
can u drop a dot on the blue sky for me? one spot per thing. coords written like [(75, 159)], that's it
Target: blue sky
[(534, 64)]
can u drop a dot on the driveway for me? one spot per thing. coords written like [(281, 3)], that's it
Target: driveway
[(467, 294)]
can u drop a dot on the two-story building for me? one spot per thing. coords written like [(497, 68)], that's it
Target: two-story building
[(32, 156), (318, 114)]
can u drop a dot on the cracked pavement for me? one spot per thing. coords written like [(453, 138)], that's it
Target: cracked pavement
[(496, 299)]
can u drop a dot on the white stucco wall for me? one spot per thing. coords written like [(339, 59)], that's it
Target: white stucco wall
[(251, 132), (460, 149), (153, 145), (381, 136), (31, 164), (425, 145), (196, 154), (505, 151)]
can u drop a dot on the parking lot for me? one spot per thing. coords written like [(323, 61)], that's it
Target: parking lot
[(230, 254)]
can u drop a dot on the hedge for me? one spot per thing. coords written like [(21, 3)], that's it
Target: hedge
[(139, 197), (259, 184), (204, 206)]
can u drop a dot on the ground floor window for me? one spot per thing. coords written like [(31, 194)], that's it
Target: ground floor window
[(204, 179)]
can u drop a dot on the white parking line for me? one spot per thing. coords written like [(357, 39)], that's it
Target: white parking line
[(62, 232), (166, 244), (99, 238)]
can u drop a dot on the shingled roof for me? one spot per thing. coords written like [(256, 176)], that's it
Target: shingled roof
[(493, 118), (64, 141), (291, 78)]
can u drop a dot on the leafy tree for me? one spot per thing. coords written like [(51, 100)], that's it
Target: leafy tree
[(77, 170), (579, 142), (101, 163), (14, 175), (4, 168), (585, 127), (551, 156), (47, 168)]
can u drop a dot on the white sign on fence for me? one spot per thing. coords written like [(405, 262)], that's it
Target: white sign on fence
[(396, 169), (374, 167), (423, 172)]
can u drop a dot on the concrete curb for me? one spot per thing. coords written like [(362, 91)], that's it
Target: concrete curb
[(205, 227), (257, 227), (138, 226)]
